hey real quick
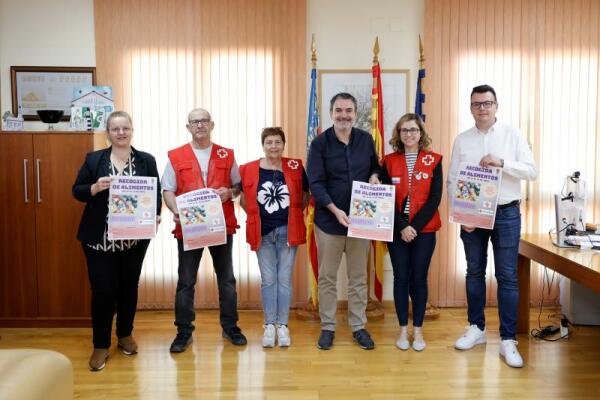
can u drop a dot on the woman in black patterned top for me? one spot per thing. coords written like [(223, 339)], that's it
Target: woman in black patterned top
[(114, 266)]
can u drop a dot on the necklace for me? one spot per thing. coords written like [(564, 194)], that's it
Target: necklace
[(119, 162)]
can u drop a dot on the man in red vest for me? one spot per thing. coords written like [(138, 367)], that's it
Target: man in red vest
[(198, 164)]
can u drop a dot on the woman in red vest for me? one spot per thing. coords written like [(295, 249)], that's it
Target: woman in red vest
[(416, 172), (275, 192)]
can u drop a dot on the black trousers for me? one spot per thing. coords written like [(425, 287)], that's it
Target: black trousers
[(114, 278), (187, 272)]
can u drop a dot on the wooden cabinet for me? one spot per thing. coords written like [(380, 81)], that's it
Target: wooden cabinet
[(43, 274)]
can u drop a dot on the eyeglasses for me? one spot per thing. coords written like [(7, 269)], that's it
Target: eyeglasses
[(485, 104), (411, 131), (196, 122)]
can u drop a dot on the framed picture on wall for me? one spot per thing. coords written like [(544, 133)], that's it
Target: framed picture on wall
[(47, 88), (359, 83)]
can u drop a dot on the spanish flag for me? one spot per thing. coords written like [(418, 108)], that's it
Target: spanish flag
[(379, 248)]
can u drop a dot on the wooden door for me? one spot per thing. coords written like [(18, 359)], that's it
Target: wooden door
[(63, 288), (18, 276)]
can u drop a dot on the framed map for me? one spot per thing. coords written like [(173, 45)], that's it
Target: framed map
[(359, 83)]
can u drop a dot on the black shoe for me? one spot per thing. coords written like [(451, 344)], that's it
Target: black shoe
[(326, 340), (181, 342), (235, 336), (363, 339)]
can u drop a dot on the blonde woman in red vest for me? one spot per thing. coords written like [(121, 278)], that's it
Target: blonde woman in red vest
[(416, 172), (275, 192)]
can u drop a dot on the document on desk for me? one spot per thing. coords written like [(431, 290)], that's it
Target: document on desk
[(475, 196), (372, 211), (132, 207), (202, 219)]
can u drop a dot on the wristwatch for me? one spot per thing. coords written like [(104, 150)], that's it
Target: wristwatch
[(502, 163)]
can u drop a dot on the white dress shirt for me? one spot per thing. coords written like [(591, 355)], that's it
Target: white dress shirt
[(502, 141)]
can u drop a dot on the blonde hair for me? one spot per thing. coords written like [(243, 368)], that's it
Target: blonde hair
[(117, 114)]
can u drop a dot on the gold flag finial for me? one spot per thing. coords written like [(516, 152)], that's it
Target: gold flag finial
[(313, 47), (422, 54), (376, 50)]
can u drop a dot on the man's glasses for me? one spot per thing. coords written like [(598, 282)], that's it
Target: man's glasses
[(411, 131), (485, 104), (196, 122)]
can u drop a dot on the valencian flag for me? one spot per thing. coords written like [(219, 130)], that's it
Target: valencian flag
[(379, 248), (420, 95), (309, 219)]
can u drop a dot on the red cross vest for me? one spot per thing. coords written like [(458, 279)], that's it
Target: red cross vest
[(189, 177), (292, 172), (420, 183)]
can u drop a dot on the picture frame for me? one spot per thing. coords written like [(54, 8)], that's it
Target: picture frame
[(46, 88), (359, 82)]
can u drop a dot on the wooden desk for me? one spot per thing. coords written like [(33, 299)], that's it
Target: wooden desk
[(582, 266)]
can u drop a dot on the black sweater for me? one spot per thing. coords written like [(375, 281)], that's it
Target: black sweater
[(93, 220)]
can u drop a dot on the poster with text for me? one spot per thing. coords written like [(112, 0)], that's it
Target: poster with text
[(132, 207), (475, 196), (202, 219), (372, 211)]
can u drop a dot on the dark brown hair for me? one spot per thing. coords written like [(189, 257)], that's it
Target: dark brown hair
[(272, 131)]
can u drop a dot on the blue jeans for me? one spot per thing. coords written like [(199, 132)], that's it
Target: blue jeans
[(410, 262), (276, 263), (505, 241), (187, 272)]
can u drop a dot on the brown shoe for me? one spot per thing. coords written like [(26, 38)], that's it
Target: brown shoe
[(127, 345), (98, 359)]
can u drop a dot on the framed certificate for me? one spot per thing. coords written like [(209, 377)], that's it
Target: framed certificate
[(47, 88)]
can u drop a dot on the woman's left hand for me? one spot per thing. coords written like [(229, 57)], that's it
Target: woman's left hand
[(408, 234)]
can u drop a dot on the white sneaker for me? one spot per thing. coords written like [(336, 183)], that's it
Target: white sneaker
[(508, 350), (472, 337), (402, 342), (283, 336), (418, 341), (268, 339)]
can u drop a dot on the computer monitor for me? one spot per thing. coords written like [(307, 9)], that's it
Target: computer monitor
[(568, 216), (561, 225)]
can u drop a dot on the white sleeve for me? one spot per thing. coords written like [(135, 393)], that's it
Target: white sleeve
[(524, 166), (235, 175), (168, 180), (453, 169)]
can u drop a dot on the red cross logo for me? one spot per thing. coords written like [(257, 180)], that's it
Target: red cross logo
[(222, 153), (293, 164), (427, 160)]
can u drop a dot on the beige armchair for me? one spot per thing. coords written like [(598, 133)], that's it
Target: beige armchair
[(31, 374)]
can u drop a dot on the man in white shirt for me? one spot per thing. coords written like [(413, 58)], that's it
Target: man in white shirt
[(493, 144)]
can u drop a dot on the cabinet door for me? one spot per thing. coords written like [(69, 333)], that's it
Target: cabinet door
[(63, 288), (18, 280)]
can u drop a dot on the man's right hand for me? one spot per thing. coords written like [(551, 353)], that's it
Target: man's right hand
[(341, 217), (468, 228)]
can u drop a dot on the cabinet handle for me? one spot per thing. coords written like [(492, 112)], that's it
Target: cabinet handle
[(37, 180), (25, 183)]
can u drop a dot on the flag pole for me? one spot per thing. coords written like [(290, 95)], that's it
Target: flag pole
[(310, 311), (374, 307), (431, 312)]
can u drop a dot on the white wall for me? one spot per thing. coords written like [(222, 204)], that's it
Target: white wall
[(44, 33), (345, 32)]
